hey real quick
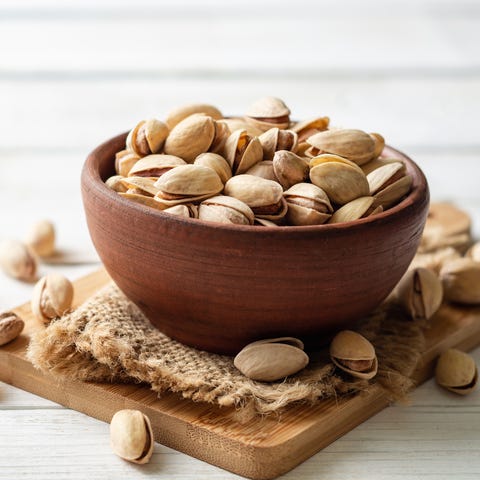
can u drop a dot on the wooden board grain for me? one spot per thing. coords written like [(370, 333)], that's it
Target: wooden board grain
[(256, 448)]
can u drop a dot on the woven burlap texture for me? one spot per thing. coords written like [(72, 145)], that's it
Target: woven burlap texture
[(108, 339)]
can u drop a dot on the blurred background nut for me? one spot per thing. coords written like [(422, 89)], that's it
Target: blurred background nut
[(18, 260), (11, 325), (474, 252), (461, 281), (41, 238), (52, 297), (456, 371), (178, 114), (267, 113), (131, 436)]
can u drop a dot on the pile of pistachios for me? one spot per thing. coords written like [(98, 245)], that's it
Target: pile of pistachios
[(258, 169)]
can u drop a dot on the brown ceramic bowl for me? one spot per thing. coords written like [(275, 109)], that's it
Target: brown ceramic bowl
[(218, 287)]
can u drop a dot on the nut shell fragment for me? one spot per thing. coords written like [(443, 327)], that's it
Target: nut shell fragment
[(456, 371)]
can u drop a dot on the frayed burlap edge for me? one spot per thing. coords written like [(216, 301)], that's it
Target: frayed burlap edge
[(108, 339)]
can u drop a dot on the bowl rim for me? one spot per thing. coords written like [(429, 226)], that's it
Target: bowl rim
[(91, 175)]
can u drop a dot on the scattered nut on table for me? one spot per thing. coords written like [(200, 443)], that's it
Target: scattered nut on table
[(18, 260), (461, 281), (131, 436), (11, 326), (52, 297), (41, 238), (456, 371)]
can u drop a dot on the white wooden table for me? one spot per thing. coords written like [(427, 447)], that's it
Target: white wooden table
[(74, 73)]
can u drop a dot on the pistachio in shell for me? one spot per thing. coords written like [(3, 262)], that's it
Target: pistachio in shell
[(308, 128), (11, 326), (289, 168), (361, 207), (236, 123), (184, 210), (456, 371), (263, 169), (385, 175), (242, 151), (175, 116), (461, 281), (18, 260), (268, 112), (225, 209), (307, 205), (131, 436), (116, 183), (420, 293), (275, 139), (41, 238), (342, 180), (393, 193), (222, 132), (155, 165), (215, 162), (141, 186), (354, 354), (147, 137), (379, 144), (124, 161), (190, 137)]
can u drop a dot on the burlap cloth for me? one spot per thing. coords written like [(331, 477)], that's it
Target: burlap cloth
[(108, 339)]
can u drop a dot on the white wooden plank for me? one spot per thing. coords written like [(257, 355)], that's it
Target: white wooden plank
[(313, 41), (12, 398), (81, 114)]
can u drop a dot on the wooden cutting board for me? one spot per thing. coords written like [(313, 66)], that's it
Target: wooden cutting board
[(259, 448)]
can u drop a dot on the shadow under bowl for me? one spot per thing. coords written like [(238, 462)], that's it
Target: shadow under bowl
[(218, 287)]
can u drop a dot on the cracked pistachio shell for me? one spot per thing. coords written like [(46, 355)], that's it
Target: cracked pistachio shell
[(474, 252), (420, 292), (131, 436), (393, 193), (361, 207), (144, 200), (11, 326), (191, 137), (263, 169), (268, 112), (276, 139), (18, 260), (186, 211), (124, 161), (384, 176), (224, 209), (354, 145), (41, 238), (175, 116), (235, 124), (242, 151), (116, 184), (147, 137), (456, 371), (307, 205), (222, 132), (141, 185), (52, 297), (154, 165), (215, 162), (342, 180), (264, 197), (354, 354), (308, 128), (289, 168), (268, 362), (461, 281)]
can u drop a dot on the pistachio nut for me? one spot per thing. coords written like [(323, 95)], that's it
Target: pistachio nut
[(268, 112), (307, 205), (155, 165), (175, 116), (275, 139), (52, 297), (341, 179), (354, 354), (384, 176), (186, 184), (268, 361), (116, 183), (289, 168), (131, 436), (263, 169), (188, 210), (361, 207), (41, 238), (236, 123), (354, 145), (222, 132), (147, 137), (124, 161), (420, 293), (191, 137), (141, 185), (11, 325), (379, 144), (215, 162), (18, 260), (224, 209), (393, 193), (308, 128), (456, 371), (474, 252), (461, 281), (264, 197), (242, 151)]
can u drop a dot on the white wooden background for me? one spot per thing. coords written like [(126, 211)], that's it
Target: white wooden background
[(74, 73)]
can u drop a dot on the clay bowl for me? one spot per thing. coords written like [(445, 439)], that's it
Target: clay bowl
[(218, 287)]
